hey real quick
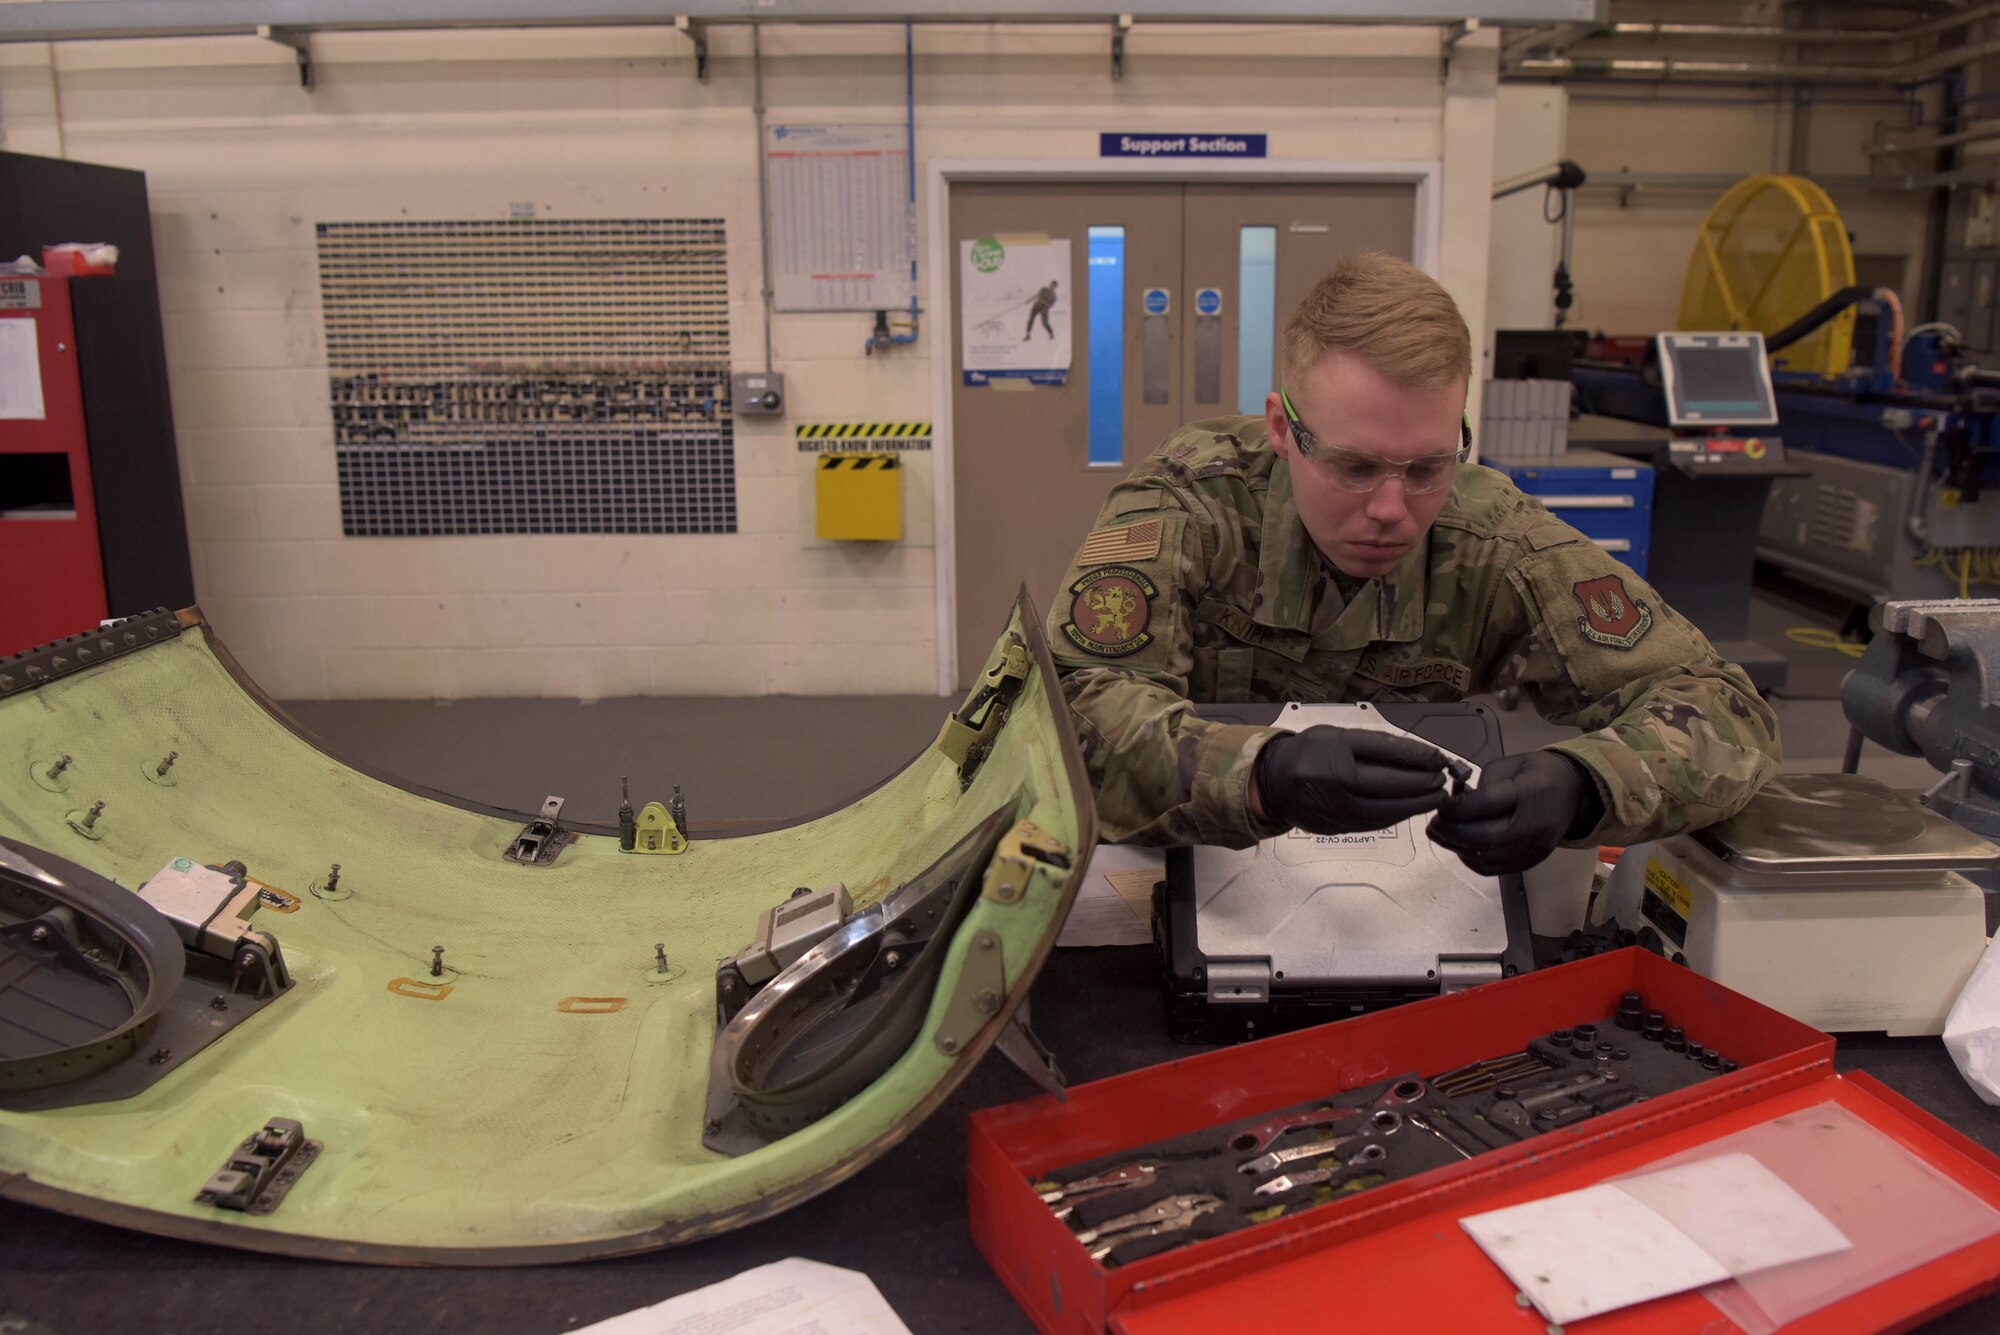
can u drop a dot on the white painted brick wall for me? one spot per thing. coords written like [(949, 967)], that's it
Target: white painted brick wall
[(241, 164)]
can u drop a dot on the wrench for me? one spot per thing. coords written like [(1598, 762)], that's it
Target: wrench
[(1259, 1137), (1163, 1215), (1276, 1159), (1518, 1115), (1410, 1089), (1292, 1181), (1385, 1122)]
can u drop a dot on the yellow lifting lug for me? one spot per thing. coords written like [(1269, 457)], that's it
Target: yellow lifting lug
[(1022, 849), (967, 735)]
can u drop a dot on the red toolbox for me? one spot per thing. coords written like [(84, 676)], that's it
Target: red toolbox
[(1394, 1257)]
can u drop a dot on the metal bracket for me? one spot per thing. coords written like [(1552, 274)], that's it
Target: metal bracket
[(1022, 849), (982, 987), (1121, 26), (1452, 35), (44, 663), (697, 32), (210, 907), (301, 43), (1024, 1047), (967, 743), (543, 839), (262, 1169)]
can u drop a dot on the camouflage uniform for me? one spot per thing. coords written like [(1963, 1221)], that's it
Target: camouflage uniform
[(1199, 583)]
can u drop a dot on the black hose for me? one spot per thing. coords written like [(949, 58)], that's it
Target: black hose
[(1850, 761), (1816, 317)]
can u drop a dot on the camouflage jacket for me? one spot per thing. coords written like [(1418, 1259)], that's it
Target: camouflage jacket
[(1199, 583)]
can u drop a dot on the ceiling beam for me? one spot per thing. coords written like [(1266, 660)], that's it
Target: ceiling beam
[(70, 20)]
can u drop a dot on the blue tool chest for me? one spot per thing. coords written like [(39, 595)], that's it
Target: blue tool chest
[(1609, 499)]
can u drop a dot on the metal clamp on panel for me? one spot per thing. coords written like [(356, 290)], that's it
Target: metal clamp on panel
[(968, 733), (543, 838), (262, 1169), (1023, 849)]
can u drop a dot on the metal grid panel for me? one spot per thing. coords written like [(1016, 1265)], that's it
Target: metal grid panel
[(530, 377)]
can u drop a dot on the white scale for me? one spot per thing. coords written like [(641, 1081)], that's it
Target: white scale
[(1830, 897)]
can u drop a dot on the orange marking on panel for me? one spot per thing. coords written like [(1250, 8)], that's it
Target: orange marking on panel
[(591, 1005), (418, 990)]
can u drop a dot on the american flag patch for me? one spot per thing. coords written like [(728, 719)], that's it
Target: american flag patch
[(1131, 542)]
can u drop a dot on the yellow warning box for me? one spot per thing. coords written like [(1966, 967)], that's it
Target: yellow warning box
[(860, 497)]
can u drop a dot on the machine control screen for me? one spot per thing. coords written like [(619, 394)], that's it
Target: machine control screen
[(1717, 380)]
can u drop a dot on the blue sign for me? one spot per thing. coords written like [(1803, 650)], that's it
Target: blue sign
[(1156, 300), (1120, 145), (1208, 301)]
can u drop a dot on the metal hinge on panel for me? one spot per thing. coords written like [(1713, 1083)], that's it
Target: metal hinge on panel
[(262, 1169), (1232, 981), (1014, 862), (967, 735), (980, 992), (543, 838)]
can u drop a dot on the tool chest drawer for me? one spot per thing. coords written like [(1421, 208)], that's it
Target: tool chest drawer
[(1095, 1214), (1607, 498)]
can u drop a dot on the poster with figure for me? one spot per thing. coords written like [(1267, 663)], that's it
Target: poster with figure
[(1015, 307)]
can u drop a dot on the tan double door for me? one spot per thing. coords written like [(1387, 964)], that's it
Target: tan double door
[(1026, 487)]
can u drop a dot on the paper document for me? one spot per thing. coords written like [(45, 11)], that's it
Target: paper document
[(20, 371), (789, 1297), (1972, 1031), (1114, 905), (1616, 1244)]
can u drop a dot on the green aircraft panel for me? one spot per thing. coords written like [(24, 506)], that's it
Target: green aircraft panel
[(543, 1098)]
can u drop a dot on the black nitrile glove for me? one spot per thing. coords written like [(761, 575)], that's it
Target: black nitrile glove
[(1329, 780), (1523, 807)]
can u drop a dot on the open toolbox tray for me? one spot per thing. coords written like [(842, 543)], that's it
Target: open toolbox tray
[(1384, 1258)]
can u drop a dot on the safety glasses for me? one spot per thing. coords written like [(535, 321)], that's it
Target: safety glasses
[(1352, 470)]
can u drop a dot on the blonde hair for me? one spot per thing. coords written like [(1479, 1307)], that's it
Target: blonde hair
[(1387, 311)]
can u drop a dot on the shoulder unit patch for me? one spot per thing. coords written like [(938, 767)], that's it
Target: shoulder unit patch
[(1109, 611), (1611, 616)]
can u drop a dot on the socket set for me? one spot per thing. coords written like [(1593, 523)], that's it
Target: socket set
[(1569, 1076), (1156, 1197)]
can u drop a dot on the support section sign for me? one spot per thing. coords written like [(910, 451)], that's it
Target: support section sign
[(1114, 144)]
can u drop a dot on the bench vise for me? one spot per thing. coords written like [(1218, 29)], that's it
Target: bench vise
[(1929, 685)]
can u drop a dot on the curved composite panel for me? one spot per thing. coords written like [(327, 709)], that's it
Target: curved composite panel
[(544, 1098)]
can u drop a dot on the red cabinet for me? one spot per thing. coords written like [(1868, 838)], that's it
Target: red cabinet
[(51, 563)]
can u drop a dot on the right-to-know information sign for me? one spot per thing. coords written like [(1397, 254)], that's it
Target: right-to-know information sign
[(843, 226)]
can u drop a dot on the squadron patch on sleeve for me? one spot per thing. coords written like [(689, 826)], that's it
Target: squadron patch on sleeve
[(1109, 610), (1611, 616)]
